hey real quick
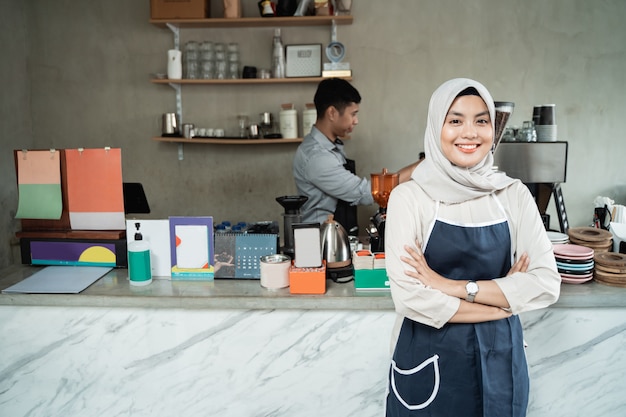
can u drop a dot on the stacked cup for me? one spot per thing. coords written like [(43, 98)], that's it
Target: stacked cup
[(545, 122), (221, 64), (192, 61), (233, 60), (207, 61)]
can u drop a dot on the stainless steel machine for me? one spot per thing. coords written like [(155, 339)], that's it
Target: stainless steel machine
[(542, 166)]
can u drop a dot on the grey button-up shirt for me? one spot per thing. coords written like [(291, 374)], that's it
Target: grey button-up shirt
[(318, 169)]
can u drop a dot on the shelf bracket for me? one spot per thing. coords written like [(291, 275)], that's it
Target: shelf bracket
[(179, 112), (177, 87), (176, 31), (179, 101)]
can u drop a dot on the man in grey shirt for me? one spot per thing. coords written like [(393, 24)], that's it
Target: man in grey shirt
[(320, 166)]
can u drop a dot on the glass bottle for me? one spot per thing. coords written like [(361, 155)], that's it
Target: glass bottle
[(278, 56)]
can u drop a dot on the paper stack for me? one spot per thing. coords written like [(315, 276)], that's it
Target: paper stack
[(369, 270), (363, 259), (379, 260)]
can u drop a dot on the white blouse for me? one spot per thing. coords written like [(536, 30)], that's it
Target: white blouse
[(410, 214)]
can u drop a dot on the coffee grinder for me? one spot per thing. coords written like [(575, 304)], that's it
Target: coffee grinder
[(382, 184), (291, 204), (504, 110)]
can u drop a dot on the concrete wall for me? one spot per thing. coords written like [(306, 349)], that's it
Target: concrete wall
[(16, 130), (80, 77)]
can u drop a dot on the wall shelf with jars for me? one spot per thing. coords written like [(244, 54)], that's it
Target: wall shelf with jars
[(227, 141), (239, 81), (292, 21), (254, 22)]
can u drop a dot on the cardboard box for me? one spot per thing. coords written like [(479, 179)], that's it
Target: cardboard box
[(180, 9), (307, 280), (371, 279)]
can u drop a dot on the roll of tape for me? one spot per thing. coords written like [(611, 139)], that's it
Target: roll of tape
[(335, 51)]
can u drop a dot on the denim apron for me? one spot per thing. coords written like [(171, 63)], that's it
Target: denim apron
[(462, 369)]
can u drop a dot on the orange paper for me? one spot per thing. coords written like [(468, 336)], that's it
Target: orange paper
[(94, 180), (95, 195), (38, 167)]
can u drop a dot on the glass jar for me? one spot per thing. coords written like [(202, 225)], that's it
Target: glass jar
[(191, 62), (527, 133)]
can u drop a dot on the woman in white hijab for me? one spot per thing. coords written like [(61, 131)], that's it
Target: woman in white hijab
[(466, 252)]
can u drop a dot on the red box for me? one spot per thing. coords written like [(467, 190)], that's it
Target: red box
[(307, 280), (180, 9)]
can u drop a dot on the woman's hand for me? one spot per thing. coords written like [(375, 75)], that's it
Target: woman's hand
[(521, 265), (422, 271), (490, 293)]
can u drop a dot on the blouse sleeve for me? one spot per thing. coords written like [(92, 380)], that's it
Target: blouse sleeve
[(411, 298), (540, 285)]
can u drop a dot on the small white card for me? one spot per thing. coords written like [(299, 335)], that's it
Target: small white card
[(192, 246), (307, 246)]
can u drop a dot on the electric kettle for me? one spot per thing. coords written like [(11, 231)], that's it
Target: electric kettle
[(335, 244)]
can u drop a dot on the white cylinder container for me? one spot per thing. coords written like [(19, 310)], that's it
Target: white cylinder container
[(289, 123), (309, 116), (275, 271), (174, 64)]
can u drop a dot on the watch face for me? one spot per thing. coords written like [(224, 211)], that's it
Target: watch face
[(471, 287)]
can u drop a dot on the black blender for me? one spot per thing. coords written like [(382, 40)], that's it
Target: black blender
[(291, 204), (382, 184)]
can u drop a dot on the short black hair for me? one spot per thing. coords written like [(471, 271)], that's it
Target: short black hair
[(335, 92), (469, 91)]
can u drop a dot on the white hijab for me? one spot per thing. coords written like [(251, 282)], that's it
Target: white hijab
[(436, 175)]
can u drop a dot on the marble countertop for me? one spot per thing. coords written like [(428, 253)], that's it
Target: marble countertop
[(113, 290)]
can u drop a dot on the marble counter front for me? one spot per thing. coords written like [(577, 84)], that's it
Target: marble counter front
[(232, 348)]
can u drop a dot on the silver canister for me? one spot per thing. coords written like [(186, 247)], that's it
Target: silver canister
[(275, 271), (170, 124), (188, 130), (253, 131)]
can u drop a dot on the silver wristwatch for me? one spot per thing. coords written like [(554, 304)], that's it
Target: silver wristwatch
[(472, 289)]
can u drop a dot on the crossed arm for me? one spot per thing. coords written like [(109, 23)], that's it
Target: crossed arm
[(489, 304)]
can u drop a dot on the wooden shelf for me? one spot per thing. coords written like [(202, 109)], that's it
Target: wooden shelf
[(254, 21), (244, 81), (226, 141)]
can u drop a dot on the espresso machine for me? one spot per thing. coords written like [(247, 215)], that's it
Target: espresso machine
[(541, 166), (382, 184), (291, 204)]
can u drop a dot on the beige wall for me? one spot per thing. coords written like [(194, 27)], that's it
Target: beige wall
[(80, 77)]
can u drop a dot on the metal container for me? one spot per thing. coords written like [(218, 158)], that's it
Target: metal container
[(335, 244), (275, 271), (170, 124), (188, 130)]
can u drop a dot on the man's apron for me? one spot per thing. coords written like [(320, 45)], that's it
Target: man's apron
[(346, 213), (462, 369)]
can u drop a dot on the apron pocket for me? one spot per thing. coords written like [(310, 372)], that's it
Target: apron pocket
[(405, 382)]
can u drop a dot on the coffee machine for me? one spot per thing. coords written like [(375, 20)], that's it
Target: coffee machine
[(382, 184), (291, 204)]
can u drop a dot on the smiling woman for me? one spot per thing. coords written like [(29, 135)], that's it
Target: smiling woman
[(466, 252)]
